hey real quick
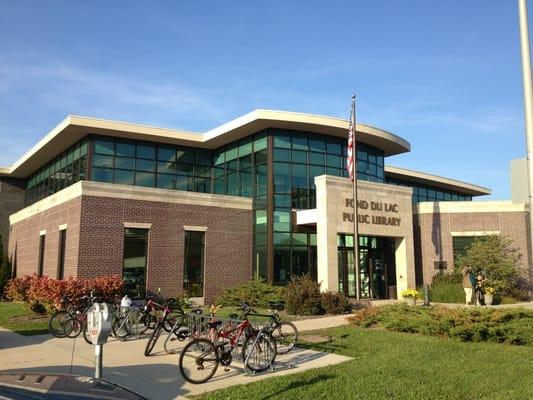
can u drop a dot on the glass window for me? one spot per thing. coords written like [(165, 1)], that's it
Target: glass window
[(219, 157), (299, 156), (282, 155), (61, 255), (282, 140), (299, 239), (260, 239), (125, 177), (282, 178), (167, 154), (333, 146), (185, 169), (125, 149), (145, 165), (103, 175), (333, 161), (260, 220), (165, 181), (317, 144), (245, 147), (282, 264), (193, 273), (300, 261), (299, 141), (299, 175), (134, 266), (260, 142), (167, 167), (282, 221), (232, 152), (182, 182), (124, 163), (104, 146), (316, 158), (40, 265), (282, 200), (146, 151), (144, 179), (203, 185), (103, 161)]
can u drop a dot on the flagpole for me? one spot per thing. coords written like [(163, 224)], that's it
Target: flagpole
[(355, 205)]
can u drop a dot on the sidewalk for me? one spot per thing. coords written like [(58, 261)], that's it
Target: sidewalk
[(156, 377)]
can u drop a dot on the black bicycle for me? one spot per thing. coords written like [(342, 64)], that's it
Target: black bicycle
[(172, 319)]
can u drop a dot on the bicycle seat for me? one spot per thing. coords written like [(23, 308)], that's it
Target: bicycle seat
[(214, 324), (276, 306), (233, 316)]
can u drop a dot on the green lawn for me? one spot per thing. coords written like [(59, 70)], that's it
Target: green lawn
[(15, 317), (389, 365)]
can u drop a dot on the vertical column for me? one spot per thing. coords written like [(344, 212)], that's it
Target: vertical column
[(326, 235), (405, 268)]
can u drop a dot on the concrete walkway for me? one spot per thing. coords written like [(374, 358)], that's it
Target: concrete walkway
[(156, 377)]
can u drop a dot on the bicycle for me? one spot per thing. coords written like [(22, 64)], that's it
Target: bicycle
[(284, 333), (200, 358), (171, 319), (72, 321), (180, 331)]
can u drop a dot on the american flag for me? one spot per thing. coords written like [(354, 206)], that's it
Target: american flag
[(351, 148)]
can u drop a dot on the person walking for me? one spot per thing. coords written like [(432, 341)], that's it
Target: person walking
[(468, 278)]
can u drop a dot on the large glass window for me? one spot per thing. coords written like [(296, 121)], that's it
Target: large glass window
[(461, 244), (423, 192), (135, 259), (193, 273), (61, 256), (40, 265), (64, 170)]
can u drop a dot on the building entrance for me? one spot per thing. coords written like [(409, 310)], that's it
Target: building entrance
[(377, 269)]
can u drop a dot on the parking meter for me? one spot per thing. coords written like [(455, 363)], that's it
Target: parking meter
[(99, 322), (99, 319)]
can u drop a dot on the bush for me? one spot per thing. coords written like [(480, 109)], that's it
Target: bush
[(333, 303), (256, 293), (43, 294), (512, 326), (302, 296), (447, 288)]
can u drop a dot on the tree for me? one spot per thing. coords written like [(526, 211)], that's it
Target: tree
[(498, 260)]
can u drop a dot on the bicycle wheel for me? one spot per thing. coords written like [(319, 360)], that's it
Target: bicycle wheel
[(171, 319), (73, 326), (198, 361), (135, 326), (148, 321), (153, 339), (56, 324), (286, 337), (259, 354), (121, 327)]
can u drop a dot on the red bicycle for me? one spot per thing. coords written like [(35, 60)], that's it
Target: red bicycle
[(200, 358)]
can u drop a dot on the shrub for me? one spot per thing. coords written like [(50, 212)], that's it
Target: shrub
[(333, 302), (302, 296), (256, 293), (43, 294), (470, 325)]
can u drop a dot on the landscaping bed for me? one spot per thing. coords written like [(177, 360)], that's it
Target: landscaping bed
[(512, 326)]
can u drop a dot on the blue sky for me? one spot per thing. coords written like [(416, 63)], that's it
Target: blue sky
[(444, 75)]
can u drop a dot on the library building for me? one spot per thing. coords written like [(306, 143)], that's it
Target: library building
[(266, 195)]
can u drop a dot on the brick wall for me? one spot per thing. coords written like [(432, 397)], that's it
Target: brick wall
[(11, 200), (95, 241), (433, 233), (24, 240)]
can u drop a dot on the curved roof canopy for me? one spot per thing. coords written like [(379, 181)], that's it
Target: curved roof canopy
[(436, 181), (73, 128)]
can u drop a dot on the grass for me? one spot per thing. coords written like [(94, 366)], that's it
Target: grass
[(389, 365), (15, 317)]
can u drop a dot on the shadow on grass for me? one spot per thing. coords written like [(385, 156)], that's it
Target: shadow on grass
[(296, 385)]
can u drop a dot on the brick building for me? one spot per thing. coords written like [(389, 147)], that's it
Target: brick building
[(265, 194)]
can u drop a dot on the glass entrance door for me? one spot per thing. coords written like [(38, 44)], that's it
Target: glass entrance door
[(376, 266)]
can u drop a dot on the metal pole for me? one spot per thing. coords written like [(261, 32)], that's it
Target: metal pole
[(355, 219), (99, 353), (528, 111)]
